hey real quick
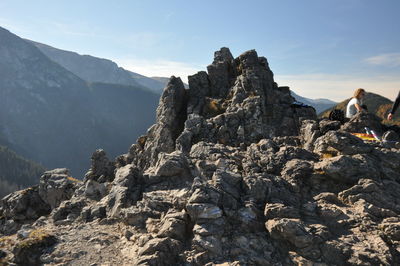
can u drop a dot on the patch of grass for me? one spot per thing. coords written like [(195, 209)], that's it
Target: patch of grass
[(36, 237), (6, 241), (326, 155), (213, 107), (38, 234), (320, 172), (142, 141), (70, 178), (27, 190), (29, 250)]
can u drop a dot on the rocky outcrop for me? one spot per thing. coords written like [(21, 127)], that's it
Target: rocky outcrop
[(361, 120), (29, 250), (56, 186), (230, 174), (102, 168), (24, 206), (171, 115), (238, 102)]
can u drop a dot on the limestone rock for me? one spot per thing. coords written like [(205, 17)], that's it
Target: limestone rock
[(348, 169), (102, 169), (290, 230), (21, 207), (203, 211), (28, 251), (56, 186), (173, 164), (126, 189), (360, 121), (159, 251), (335, 142), (68, 211), (95, 190), (279, 210), (171, 115), (174, 225)]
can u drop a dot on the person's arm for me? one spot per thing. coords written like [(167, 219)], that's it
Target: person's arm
[(394, 107), (358, 107)]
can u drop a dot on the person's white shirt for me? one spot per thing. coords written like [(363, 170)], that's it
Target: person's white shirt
[(351, 107)]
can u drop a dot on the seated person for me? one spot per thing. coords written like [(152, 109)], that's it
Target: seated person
[(355, 104)]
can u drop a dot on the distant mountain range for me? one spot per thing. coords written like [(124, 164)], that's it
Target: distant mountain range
[(54, 117), (375, 103), (94, 69), (320, 105)]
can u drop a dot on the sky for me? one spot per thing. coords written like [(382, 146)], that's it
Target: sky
[(320, 48)]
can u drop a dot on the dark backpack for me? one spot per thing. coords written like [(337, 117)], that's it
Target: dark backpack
[(337, 115)]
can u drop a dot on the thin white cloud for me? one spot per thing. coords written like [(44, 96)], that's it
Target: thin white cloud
[(339, 87), (145, 40), (160, 68), (74, 29), (390, 59)]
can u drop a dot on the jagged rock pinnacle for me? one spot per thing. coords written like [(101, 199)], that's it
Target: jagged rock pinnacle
[(236, 103)]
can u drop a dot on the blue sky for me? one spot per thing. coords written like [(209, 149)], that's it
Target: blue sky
[(320, 48)]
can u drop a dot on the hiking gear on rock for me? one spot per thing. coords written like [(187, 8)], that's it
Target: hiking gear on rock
[(337, 115)]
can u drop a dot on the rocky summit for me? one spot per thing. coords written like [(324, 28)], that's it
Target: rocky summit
[(233, 172)]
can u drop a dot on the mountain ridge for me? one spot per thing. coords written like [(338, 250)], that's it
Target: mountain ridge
[(95, 69), (320, 105), (52, 116)]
